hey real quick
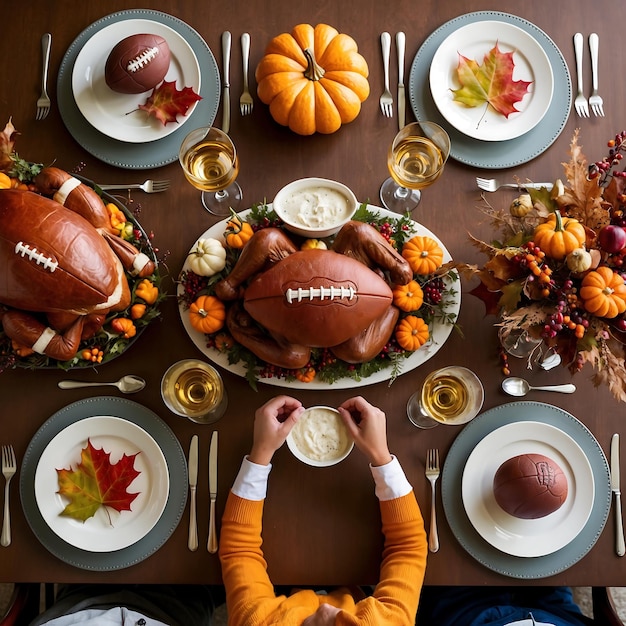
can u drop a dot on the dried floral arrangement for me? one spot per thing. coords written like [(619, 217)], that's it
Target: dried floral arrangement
[(557, 271)]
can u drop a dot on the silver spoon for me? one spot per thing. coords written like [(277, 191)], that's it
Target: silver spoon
[(520, 387), (126, 384)]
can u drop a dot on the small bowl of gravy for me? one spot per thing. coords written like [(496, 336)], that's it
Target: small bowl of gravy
[(315, 207)]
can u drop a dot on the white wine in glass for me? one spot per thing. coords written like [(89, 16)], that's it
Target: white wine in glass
[(416, 159), (452, 395), (210, 163)]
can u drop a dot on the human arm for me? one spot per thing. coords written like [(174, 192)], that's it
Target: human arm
[(395, 598)]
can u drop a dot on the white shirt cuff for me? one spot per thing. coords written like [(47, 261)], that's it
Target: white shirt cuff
[(390, 480), (251, 481)]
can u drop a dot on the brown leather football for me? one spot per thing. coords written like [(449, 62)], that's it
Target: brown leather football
[(317, 298), (138, 63), (530, 486)]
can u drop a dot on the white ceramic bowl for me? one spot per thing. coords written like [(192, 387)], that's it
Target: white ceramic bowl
[(308, 426), (313, 194)]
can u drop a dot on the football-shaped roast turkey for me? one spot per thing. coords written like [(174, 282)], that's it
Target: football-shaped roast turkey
[(53, 257), (137, 63), (317, 298), (530, 486)]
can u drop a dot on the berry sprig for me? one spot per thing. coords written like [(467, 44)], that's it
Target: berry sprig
[(606, 167)]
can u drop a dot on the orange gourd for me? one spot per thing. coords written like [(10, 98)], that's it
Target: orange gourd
[(603, 293), (124, 327), (411, 332), (306, 375), (313, 79), (408, 297), (424, 254), (207, 314), (238, 232), (558, 236)]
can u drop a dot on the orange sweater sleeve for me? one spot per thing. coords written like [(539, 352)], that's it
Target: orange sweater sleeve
[(250, 594)]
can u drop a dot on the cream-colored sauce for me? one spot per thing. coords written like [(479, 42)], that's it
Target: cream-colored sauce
[(320, 435), (315, 207)]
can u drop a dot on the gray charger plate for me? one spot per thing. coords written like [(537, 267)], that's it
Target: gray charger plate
[(493, 154), (138, 155), (466, 534), (176, 501)]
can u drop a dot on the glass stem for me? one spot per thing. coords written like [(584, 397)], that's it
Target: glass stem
[(402, 193), (221, 195)]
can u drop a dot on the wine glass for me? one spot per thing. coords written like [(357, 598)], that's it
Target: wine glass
[(210, 163), (415, 160), (451, 395), (194, 389)]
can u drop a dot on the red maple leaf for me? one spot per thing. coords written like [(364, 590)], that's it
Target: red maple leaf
[(166, 102), (492, 82), (97, 482)]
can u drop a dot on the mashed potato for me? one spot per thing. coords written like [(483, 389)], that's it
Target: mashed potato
[(321, 435)]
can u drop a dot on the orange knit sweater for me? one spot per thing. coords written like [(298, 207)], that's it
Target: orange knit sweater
[(250, 594)]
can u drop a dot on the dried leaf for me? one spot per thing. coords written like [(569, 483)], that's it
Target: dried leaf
[(167, 102), (7, 144), (491, 83), (97, 482)]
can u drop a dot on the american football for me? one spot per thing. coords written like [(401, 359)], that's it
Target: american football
[(317, 298), (138, 63), (530, 486)]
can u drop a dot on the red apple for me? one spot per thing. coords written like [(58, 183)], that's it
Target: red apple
[(612, 238)]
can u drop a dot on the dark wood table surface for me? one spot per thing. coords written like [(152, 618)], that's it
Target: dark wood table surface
[(320, 526)]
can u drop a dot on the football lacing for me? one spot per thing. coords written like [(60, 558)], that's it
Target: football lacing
[(142, 59), (39, 257), (322, 293)]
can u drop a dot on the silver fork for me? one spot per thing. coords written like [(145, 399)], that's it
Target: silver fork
[(43, 104), (9, 467), (149, 186), (386, 99), (493, 184), (245, 101), (580, 103), (432, 473), (595, 101)]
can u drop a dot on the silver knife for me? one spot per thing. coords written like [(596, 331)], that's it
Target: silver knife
[(400, 45), (212, 542), (615, 488), (193, 482), (226, 89)]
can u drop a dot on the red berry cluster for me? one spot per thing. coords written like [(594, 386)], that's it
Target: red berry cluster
[(605, 168), (433, 291), (192, 286)]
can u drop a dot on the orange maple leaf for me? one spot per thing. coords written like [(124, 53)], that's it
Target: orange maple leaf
[(166, 102), (492, 82), (97, 482)]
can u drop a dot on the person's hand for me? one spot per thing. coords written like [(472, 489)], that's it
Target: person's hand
[(272, 423), (324, 616), (368, 426)]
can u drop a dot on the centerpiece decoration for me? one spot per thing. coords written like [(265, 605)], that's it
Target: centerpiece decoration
[(52, 313), (423, 300), (556, 272)]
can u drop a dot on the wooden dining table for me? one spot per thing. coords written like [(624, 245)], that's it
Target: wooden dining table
[(321, 526)]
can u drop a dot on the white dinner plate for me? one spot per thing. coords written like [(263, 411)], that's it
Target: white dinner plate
[(440, 331), (474, 41), (114, 114), (107, 530), (527, 537)]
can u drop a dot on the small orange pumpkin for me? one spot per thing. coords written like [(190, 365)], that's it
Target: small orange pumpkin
[(124, 327), (603, 293), (408, 297), (207, 314), (558, 236), (306, 375), (424, 254), (411, 332), (313, 79), (238, 232)]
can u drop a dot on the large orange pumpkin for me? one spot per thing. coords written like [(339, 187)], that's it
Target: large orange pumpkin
[(313, 79)]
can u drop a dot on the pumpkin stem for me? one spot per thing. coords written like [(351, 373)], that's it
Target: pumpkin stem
[(558, 226), (313, 70), (235, 224)]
